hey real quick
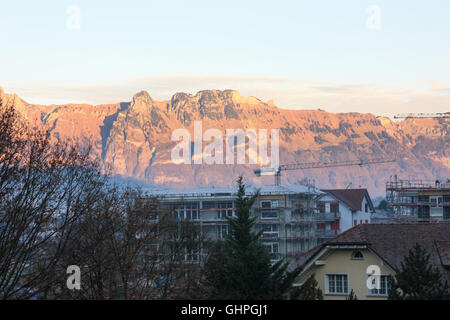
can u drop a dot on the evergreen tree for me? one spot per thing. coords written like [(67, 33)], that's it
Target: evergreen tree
[(383, 205), (417, 279), (240, 266)]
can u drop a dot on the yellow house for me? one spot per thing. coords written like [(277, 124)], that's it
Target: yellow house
[(362, 258)]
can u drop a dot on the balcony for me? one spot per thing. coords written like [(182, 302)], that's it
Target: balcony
[(305, 222), (327, 216), (270, 235)]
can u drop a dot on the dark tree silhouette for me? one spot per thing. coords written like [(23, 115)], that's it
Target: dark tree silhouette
[(417, 279), (240, 267), (58, 209)]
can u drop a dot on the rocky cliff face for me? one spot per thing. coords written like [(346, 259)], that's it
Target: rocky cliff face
[(134, 139)]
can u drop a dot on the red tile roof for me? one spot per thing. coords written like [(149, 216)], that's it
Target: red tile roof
[(351, 197)]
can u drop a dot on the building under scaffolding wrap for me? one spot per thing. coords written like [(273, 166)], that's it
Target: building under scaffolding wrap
[(286, 214), (419, 200)]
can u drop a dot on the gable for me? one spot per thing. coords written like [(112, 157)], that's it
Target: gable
[(340, 260), (351, 197)]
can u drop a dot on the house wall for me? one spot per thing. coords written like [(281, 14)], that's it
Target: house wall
[(346, 216), (340, 261), (361, 215)]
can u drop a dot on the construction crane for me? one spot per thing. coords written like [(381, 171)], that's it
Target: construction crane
[(438, 115), (314, 165)]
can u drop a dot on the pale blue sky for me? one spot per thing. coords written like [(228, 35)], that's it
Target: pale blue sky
[(286, 50)]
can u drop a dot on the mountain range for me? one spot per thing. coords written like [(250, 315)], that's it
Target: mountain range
[(133, 139)]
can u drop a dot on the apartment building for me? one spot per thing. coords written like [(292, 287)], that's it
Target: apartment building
[(286, 214), (419, 200), (292, 218)]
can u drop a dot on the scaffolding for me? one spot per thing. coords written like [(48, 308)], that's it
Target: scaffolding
[(285, 215), (419, 200)]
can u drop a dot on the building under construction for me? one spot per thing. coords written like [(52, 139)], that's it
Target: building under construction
[(419, 200), (286, 214)]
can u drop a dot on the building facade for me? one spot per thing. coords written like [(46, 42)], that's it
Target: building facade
[(344, 208), (419, 200), (292, 218), (286, 215)]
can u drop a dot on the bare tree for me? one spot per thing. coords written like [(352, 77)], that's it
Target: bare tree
[(44, 189), (181, 255), (57, 209)]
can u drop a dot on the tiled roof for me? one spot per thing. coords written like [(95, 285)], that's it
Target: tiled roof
[(392, 242), (351, 197)]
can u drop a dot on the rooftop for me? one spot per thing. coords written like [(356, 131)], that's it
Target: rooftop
[(250, 189), (351, 197)]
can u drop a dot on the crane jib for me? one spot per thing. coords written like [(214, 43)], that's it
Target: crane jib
[(315, 165)]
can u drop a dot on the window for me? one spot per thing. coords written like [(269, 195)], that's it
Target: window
[(321, 206), (334, 207), (222, 231), (225, 205), (424, 212), (385, 284), (336, 284), (272, 247), (367, 207), (357, 255), (192, 211), (268, 215), (436, 201), (447, 212), (225, 210), (270, 231), (266, 204), (269, 204), (192, 254), (188, 211), (355, 222)]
